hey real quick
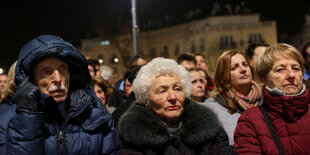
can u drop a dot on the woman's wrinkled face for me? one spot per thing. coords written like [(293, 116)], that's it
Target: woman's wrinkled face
[(166, 97), (286, 75), (240, 72)]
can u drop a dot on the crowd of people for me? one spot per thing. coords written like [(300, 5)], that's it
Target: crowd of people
[(55, 101)]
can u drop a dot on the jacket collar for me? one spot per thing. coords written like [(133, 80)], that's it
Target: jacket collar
[(288, 107), (142, 127)]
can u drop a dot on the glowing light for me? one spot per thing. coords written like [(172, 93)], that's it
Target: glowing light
[(116, 60), (1, 70), (100, 61), (106, 42)]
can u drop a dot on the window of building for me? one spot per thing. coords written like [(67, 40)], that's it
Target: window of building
[(165, 52), (256, 37), (153, 53), (193, 47), (202, 45), (141, 52), (177, 49), (227, 42)]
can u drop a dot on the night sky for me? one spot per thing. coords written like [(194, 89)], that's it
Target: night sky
[(73, 20)]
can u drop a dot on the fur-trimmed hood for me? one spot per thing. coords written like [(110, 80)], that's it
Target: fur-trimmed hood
[(140, 126)]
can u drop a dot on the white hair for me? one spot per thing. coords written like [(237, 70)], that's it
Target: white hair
[(159, 66), (106, 72)]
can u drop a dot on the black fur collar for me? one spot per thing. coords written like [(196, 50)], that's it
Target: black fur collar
[(140, 126)]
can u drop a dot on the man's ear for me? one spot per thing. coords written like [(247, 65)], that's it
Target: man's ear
[(147, 104)]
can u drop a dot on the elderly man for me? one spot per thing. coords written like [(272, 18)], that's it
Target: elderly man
[(56, 110)]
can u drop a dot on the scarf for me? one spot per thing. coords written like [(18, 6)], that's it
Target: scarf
[(249, 100)]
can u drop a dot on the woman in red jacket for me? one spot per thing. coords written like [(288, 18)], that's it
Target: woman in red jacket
[(286, 101)]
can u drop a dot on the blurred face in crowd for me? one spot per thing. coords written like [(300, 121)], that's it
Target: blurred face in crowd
[(204, 76), (188, 64), (201, 62), (240, 73), (127, 88), (53, 78), (98, 71), (198, 86), (307, 60), (258, 50), (91, 70), (286, 75), (3, 80), (140, 62), (166, 98), (100, 93)]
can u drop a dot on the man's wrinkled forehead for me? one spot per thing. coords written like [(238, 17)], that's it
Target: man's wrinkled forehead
[(48, 61)]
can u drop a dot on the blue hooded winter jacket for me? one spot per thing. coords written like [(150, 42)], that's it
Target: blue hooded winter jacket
[(87, 128)]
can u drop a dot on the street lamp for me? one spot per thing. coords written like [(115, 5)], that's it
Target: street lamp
[(134, 27)]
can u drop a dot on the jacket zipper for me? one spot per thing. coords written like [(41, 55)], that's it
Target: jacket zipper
[(61, 134), (60, 139)]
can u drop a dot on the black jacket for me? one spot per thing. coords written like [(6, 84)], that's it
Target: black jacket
[(142, 132)]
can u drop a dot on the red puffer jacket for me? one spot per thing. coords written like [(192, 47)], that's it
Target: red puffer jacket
[(290, 117)]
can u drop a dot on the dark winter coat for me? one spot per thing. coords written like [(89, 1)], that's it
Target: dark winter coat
[(290, 117), (142, 132), (87, 128)]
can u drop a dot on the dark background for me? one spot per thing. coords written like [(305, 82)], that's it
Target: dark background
[(73, 20)]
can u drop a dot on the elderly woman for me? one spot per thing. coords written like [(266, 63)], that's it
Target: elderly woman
[(235, 90), (285, 107), (164, 121)]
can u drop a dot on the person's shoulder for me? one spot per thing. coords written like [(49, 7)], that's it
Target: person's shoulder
[(210, 103), (7, 112), (216, 101), (200, 111), (6, 108), (252, 113), (210, 100)]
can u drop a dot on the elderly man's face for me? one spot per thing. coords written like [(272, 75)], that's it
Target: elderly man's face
[(53, 78), (166, 98)]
